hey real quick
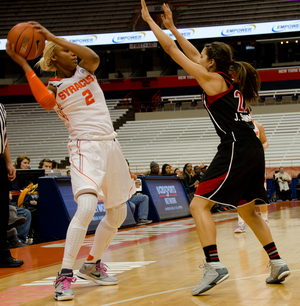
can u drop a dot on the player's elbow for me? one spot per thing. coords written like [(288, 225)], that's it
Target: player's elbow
[(171, 48)]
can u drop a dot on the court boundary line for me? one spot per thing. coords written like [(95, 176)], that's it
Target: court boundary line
[(184, 288)]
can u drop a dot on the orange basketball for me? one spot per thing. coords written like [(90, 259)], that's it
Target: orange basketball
[(28, 42)]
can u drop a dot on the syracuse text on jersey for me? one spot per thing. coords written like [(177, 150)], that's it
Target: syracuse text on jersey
[(76, 86)]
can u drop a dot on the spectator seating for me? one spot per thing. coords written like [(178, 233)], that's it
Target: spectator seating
[(71, 17), (194, 140), (40, 134), (218, 12), (266, 97), (94, 16)]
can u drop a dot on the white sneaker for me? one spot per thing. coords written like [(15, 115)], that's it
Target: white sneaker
[(267, 222), (279, 271), (240, 228), (214, 274)]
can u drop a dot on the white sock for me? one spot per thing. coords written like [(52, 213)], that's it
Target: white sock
[(240, 219)]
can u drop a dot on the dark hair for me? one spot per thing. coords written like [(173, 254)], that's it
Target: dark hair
[(54, 164), (185, 166), (19, 160), (47, 160), (249, 107), (163, 170), (244, 74)]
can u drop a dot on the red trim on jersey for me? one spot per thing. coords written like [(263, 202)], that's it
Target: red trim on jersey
[(72, 162), (54, 79), (208, 186), (212, 99)]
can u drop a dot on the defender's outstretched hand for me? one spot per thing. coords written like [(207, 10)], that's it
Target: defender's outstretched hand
[(167, 17), (145, 13)]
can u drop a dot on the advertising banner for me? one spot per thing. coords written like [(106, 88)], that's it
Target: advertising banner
[(189, 33)]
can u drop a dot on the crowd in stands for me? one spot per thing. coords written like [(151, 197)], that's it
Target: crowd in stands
[(192, 177), (20, 222), (23, 216)]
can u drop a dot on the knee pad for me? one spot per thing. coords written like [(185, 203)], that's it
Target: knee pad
[(87, 204), (114, 217)]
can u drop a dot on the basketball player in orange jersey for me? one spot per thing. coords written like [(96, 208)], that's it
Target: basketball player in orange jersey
[(98, 168), (260, 133), (237, 171)]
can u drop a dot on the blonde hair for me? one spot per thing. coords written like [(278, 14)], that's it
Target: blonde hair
[(45, 63)]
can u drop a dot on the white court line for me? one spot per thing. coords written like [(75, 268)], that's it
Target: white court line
[(184, 288)]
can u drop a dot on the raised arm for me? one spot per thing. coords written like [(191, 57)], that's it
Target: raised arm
[(190, 51), (44, 96), (212, 83), (90, 60)]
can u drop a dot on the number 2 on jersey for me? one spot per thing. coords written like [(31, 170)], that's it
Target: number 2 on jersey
[(88, 97), (242, 107)]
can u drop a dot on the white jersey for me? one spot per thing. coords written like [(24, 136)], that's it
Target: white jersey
[(81, 105), (256, 130)]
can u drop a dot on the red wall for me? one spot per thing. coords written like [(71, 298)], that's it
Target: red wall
[(280, 74)]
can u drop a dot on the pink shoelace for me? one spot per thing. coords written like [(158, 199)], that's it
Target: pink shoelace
[(65, 282), (101, 268)]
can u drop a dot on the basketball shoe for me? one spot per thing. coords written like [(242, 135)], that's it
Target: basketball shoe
[(96, 272), (214, 274), (240, 228), (62, 284), (279, 271)]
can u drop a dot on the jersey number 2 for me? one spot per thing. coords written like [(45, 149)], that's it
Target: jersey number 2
[(88, 97), (242, 107)]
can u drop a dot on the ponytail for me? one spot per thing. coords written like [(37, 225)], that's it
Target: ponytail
[(248, 79), (46, 63)]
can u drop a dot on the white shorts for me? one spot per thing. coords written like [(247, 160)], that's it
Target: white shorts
[(100, 167)]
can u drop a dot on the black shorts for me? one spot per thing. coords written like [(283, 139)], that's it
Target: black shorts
[(237, 172)]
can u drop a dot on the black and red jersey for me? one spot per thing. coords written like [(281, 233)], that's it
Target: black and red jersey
[(228, 110)]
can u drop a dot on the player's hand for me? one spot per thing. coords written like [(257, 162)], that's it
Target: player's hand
[(10, 50), (167, 17), (11, 171), (145, 13), (48, 35)]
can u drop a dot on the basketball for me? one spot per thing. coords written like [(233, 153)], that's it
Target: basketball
[(28, 42)]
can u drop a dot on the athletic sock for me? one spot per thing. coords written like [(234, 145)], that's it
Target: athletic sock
[(240, 220), (272, 251), (211, 253)]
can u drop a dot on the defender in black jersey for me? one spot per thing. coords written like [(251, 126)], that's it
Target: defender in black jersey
[(239, 165), (237, 171)]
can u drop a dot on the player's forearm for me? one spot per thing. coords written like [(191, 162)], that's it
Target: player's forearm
[(190, 51), (166, 41), (82, 52)]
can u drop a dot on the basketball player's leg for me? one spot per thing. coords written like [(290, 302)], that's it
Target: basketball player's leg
[(215, 272), (93, 269), (86, 191), (264, 213), (117, 187), (86, 206), (279, 268)]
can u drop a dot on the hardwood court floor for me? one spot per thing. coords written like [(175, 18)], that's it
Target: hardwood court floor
[(158, 265)]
